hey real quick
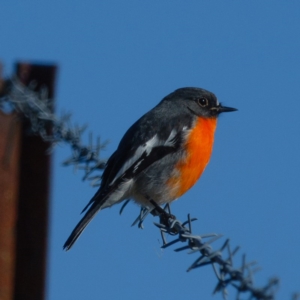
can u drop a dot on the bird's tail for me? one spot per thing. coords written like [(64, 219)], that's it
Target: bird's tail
[(89, 215)]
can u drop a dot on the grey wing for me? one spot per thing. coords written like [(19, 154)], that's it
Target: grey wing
[(148, 140)]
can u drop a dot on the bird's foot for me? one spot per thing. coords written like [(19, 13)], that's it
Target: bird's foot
[(165, 216)]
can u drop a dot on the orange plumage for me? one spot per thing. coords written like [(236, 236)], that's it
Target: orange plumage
[(198, 147)]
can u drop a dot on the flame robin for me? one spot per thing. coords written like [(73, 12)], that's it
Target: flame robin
[(161, 156)]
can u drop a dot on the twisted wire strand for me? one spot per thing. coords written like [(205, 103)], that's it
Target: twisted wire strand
[(36, 107), (240, 278)]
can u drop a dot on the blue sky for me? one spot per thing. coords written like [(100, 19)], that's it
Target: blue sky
[(116, 60)]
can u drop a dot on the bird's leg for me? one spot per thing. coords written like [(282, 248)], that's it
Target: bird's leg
[(164, 215)]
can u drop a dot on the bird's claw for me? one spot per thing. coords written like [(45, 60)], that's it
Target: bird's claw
[(165, 218)]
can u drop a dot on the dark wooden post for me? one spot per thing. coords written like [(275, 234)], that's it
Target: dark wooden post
[(10, 131), (30, 185)]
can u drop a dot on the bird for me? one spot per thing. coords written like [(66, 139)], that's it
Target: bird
[(161, 156)]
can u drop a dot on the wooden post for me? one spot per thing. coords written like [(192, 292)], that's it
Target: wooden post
[(10, 131), (29, 178)]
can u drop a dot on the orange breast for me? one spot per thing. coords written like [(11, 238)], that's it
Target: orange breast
[(198, 147)]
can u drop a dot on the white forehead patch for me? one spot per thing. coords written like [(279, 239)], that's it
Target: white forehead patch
[(217, 102)]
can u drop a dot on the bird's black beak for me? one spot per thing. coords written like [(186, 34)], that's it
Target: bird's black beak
[(216, 110), (222, 109)]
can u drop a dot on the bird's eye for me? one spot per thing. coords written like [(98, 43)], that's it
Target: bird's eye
[(202, 102)]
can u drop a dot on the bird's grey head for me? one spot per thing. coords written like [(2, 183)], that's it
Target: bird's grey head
[(199, 101)]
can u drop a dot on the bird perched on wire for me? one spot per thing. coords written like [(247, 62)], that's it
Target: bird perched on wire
[(161, 156)]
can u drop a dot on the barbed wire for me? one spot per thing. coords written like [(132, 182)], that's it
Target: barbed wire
[(36, 107), (240, 278)]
